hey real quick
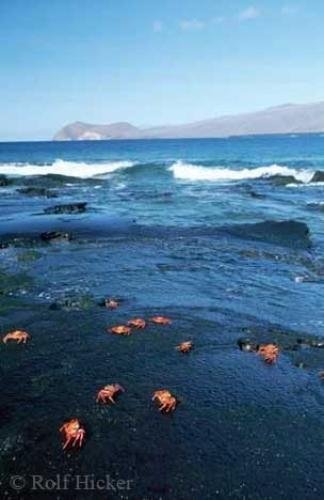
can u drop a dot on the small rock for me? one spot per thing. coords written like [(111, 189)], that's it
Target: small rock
[(247, 345), (318, 176), (37, 191), (317, 343), (55, 236), (69, 208), (4, 181), (299, 279)]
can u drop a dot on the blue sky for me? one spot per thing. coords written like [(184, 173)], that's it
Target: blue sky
[(153, 62)]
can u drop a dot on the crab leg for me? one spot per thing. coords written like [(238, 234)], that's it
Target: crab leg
[(76, 440), (79, 438), (67, 442)]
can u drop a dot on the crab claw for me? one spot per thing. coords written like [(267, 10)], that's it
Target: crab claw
[(119, 387)]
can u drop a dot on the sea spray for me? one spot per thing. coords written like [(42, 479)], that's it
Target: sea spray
[(81, 170), (190, 172)]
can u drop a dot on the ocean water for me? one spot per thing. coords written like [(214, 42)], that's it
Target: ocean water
[(225, 237)]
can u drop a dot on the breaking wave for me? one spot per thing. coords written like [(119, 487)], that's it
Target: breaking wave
[(188, 171), (65, 168)]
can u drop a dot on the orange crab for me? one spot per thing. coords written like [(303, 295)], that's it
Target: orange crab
[(269, 352), (19, 336), (111, 303), (137, 323), (161, 320), (121, 330), (108, 392), (73, 433), (165, 399), (185, 346)]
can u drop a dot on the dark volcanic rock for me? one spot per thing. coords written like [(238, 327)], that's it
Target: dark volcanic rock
[(37, 191), (4, 181), (283, 180), (80, 303), (55, 236), (318, 176), (289, 233), (247, 345), (256, 195), (69, 208), (48, 181), (317, 343), (319, 207)]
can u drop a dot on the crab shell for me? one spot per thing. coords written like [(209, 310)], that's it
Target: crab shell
[(111, 304), (167, 401), (73, 433), (161, 320), (108, 392), (185, 346), (137, 323), (121, 330), (17, 335), (269, 352)]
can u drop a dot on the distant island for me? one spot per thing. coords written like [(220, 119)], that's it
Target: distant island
[(284, 119)]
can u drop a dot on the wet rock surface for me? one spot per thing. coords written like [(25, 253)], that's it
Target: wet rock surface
[(290, 233), (247, 345), (77, 303), (284, 180), (318, 176), (305, 351), (37, 192), (319, 207), (55, 236), (68, 208), (4, 181)]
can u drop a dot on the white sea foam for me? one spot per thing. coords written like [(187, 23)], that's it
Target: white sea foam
[(67, 168), (187, 171), (309, 184)]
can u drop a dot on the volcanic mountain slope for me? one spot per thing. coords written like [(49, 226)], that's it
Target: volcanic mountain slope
[(285, 119)]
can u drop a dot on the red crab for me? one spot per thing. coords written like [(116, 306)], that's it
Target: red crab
[(269, 352), (165, 399), (108, 392), (18, 336), (73, 433), (161, 320)]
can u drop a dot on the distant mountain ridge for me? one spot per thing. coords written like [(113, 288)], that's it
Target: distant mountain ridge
[(284, 119)]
